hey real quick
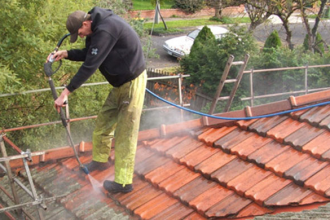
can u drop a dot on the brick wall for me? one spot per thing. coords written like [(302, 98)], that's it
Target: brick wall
[(168, 13)]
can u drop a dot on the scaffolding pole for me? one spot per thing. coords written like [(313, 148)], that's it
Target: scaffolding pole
[(38, 201)]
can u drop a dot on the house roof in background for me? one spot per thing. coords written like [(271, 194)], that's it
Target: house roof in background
[(204, 168)]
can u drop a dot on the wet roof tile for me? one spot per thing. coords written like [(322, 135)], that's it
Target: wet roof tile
[(214, 162), (209, 198), (249, 146), (193, 171), (267, 152), (318, 145), (232, 139), (305, 169), (302, 136), (315, 115), (290, 194), (284, 129), (262, 126), (201, 153), (230, 206)]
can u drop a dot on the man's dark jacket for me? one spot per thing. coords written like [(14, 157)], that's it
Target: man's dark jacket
[(113, 47)]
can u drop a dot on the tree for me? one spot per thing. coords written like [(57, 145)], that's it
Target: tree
[(257, 15), (283, 10), (31, 30), (311, 37), (318, 45)]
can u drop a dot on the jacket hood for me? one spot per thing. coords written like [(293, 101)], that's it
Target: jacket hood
[(98, 15)]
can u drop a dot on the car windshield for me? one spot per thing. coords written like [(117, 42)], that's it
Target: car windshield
[(193, 34)]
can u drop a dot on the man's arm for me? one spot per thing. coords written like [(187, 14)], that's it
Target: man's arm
[(59, 102)]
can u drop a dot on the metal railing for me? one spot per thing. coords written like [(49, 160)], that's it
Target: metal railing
[(306, 90), (180, 96)]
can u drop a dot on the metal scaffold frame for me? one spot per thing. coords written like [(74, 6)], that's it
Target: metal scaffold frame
[(38, 201)]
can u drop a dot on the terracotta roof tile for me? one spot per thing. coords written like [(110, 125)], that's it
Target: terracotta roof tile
[(176, 211), (304, 170), (284, 129), (230, 206), (183, 148), (315, 115), (210, 136), (266, 188), (244, 181), (214, 162), (285, 161), (232, 139), (161, 173), (318, 145), (198, 155), (194, 188), (289, 195), (249, 146), (320, 182), (262, 126), (230, 170), (190, 170), (325, 123), (209, 198), (302, 136), (177, 180), (267, 152)]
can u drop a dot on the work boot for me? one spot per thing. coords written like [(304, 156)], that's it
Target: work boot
[(94, 165), (2, 173), (114, 187)]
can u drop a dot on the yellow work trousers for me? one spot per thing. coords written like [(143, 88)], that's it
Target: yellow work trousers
[(119, 118)]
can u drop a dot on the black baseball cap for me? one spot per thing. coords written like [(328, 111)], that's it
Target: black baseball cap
[(74, 22)]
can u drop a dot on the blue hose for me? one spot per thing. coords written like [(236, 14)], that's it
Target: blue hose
[(245, 118)]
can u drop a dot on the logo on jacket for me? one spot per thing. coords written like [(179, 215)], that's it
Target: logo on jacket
[(94, 51)]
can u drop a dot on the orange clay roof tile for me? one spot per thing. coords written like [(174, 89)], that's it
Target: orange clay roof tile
[(204, 169)]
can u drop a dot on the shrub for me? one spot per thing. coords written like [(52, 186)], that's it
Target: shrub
[(190, 6), (273, 41), (202, 38)]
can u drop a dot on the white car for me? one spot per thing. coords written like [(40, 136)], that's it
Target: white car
[(180, 46)]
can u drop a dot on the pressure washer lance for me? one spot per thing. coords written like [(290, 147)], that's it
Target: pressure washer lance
[(49, 72)]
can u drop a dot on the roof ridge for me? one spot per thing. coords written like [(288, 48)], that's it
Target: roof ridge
[(291, 103)]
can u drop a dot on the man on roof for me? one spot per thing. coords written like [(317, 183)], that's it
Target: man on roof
[(113, 47)]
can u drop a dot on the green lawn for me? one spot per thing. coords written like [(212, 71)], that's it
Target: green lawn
[(193, 22), (146, 4)]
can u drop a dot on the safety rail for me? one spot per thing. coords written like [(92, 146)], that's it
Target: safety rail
[(253, 97), (306, 89)]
